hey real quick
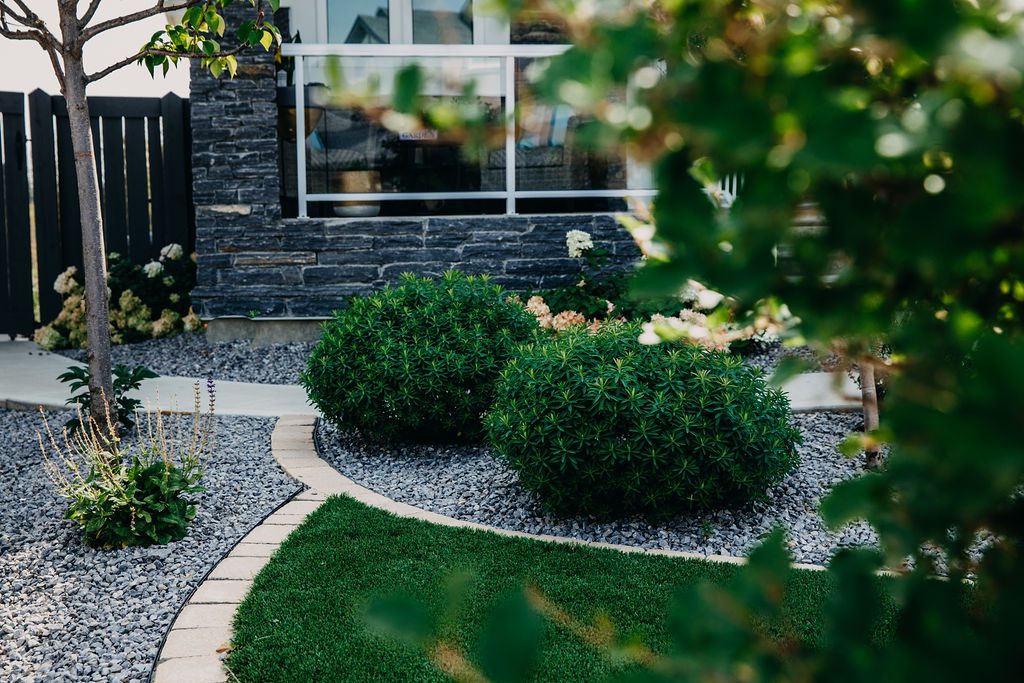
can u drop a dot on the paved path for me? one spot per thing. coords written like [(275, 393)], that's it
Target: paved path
[(28, 378)]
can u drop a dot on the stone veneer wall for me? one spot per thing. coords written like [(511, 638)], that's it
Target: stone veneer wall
[(251, 260), (304, 267)]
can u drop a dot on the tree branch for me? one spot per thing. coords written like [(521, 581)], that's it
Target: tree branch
[(35, 28), (89, 13), (58, 68), (157, 53), (124, 20)]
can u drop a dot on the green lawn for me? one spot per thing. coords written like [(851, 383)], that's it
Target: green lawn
[(304, 619)]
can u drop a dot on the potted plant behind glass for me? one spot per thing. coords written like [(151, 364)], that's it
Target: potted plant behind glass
[(355, 175)]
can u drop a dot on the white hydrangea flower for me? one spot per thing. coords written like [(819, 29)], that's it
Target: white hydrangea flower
[(171, 252), (708, 299), (649, 337), (578, 242), (65, 282), (153, 269)]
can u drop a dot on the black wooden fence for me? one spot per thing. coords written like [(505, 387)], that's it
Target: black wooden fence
[(142, 149)]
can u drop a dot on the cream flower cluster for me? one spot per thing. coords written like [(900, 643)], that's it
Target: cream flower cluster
[(578, 243), (172, 252), (65, 282), (559, 322), (153, 269)]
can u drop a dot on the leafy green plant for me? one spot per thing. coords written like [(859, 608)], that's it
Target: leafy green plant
[(135, 495), (417, 361), (125, 380), (597, 423)]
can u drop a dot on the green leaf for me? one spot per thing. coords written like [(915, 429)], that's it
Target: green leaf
[(509, 642)]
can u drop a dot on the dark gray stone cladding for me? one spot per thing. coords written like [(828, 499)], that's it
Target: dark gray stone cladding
[(308, 267), (250, 260)]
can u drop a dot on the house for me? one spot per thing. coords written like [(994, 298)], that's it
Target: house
[(300, 201)]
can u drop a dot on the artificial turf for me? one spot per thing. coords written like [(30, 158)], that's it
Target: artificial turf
[(305, 617)]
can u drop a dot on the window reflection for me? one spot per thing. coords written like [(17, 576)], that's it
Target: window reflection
[(535, 27), (357, 21), (549, 151), (445, 22)]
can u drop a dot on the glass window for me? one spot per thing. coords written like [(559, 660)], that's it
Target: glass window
[(348, 152), (445, 22), (357, 21)]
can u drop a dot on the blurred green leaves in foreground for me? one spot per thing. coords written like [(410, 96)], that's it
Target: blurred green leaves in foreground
[(902, 121)]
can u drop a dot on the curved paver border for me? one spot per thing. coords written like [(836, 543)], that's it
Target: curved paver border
[(202, 631)]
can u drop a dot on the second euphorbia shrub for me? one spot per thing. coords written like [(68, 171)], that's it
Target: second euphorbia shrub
[(595, 422)]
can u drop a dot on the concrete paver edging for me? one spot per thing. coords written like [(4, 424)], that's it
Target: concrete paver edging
[(202, 630)]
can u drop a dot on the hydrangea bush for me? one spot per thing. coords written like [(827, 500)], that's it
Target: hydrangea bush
[(597, 423), (417, 361), (146, 301)]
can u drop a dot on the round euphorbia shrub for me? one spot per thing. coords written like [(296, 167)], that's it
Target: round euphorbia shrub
[(417, 361), (598, 423)]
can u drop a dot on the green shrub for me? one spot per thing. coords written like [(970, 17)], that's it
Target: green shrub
[(417, 361), (598, 423)]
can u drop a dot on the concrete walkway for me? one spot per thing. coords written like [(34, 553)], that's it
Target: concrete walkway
[(28, 378)]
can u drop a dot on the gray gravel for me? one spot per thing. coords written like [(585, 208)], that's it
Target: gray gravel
[(767, 355), (191, 355), (467, 483), (71, 613)]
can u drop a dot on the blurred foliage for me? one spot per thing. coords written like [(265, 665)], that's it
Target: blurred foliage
[(596, 423), (417, 361), (902, 121)]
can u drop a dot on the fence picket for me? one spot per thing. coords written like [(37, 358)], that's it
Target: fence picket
[(19, 306), (140, 247), (44, 172)]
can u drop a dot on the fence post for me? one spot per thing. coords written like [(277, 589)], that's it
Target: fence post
[(44, 184), (176, 228)]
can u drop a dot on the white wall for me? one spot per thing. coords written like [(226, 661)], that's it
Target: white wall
[(26, 67)]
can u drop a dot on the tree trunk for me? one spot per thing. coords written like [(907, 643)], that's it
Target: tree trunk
[(869, 399), (94, 256)]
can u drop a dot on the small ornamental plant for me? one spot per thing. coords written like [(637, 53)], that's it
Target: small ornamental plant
[(417, 361), (146, 301), (138, 494), (597, 423)]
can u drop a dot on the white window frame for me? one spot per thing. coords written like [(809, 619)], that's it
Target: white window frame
[(491, 38)]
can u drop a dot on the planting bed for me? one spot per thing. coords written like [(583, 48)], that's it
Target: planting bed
[(468, 483), (71, 613)]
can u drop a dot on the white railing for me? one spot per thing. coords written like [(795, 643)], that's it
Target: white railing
[(507, 53)]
